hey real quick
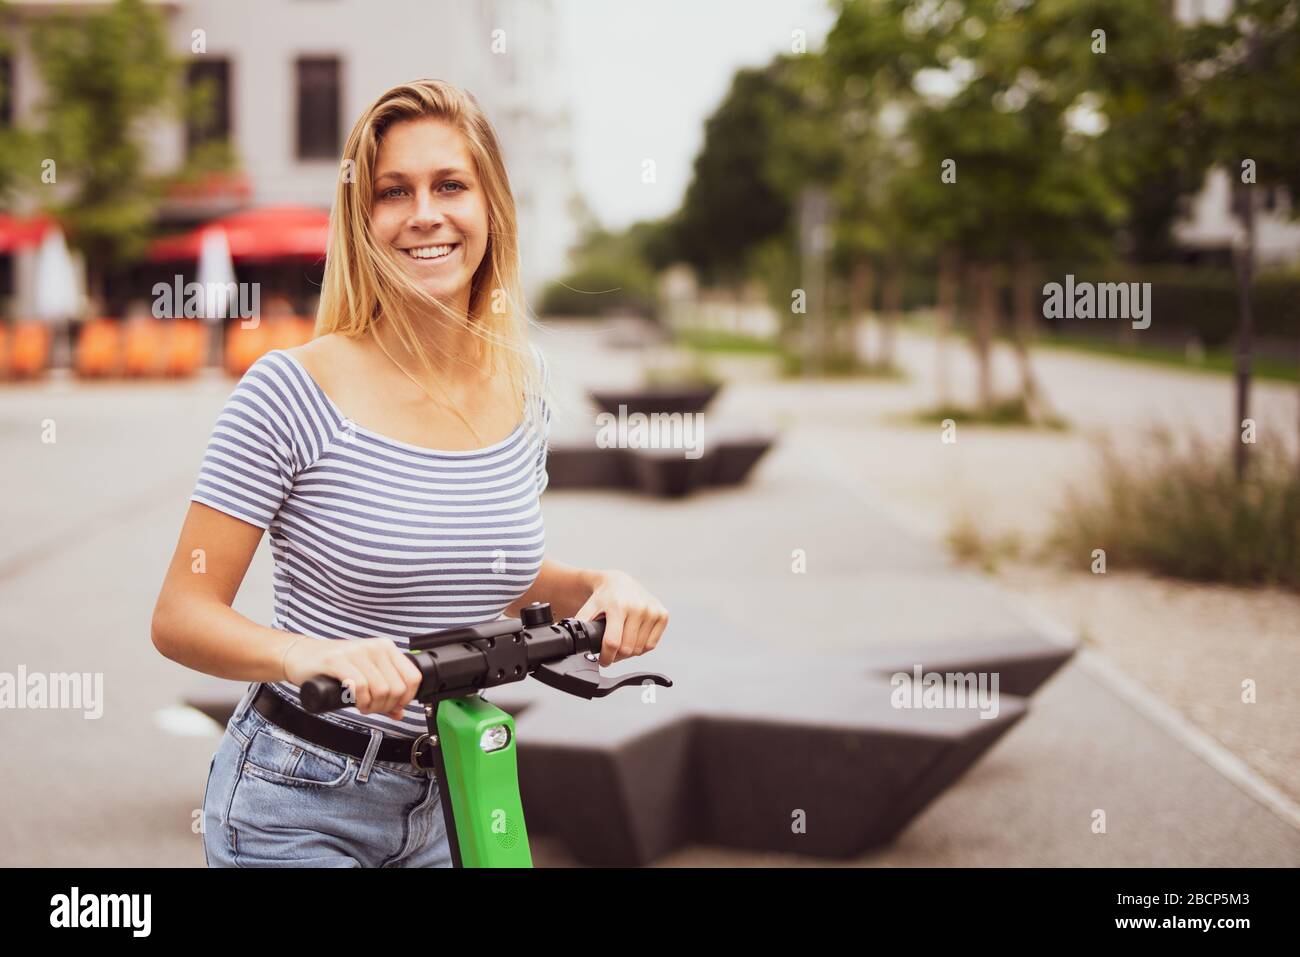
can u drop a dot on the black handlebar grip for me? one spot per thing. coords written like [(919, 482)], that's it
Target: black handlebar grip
[(321, 693), (595, 629)]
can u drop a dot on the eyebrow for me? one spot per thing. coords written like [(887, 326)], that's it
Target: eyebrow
[(445, 171)]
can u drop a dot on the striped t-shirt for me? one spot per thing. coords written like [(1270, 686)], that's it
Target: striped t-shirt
[(372, 536)]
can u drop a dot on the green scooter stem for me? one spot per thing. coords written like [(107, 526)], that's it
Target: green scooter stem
[(479, 788)]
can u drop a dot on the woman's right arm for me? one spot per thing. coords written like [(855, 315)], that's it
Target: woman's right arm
[(195, 625), (193, 621)]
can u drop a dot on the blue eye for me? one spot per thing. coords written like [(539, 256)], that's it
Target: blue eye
[(454, 183), (386, 194)]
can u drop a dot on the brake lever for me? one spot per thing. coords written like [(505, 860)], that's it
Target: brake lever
[(580, 676)]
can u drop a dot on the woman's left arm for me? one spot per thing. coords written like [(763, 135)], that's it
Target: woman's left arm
[(634, 618)]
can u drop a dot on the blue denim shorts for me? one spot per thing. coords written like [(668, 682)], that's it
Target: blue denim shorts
[(276, 800)]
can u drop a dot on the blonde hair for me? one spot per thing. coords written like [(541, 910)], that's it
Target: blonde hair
[(363, 284)]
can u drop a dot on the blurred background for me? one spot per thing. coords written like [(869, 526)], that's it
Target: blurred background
[(843, 220)]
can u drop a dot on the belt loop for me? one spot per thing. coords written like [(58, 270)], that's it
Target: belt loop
[(246, 701), (368, 762)]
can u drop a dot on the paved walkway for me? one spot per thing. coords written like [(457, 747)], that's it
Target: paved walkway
[(90, 523)]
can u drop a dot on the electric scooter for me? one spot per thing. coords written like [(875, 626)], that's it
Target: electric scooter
[(471, 742)]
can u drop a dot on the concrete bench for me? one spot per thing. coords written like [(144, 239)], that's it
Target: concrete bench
[(730, 453), (753, 747)]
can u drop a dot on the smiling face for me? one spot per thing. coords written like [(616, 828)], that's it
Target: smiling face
[(429, 208)]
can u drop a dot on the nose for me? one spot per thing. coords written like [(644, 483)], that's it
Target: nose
[(426, 213)]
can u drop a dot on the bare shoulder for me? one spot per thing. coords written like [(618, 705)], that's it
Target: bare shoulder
[(327, 358)]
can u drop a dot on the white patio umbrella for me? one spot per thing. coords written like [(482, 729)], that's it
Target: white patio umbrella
[(216, 270), (58, 291), (58, 295)]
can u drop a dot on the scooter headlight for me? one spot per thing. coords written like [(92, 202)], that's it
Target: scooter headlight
[(494, 739)]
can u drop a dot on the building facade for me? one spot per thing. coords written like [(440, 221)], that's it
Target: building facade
[(291, 76)]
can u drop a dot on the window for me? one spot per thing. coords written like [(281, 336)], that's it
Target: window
[(6, 91), (318, 108), (212, 75)]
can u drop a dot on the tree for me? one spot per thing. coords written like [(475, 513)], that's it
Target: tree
[(874, 51), (1246, 72), (17, 150), (1154, 134), (105, 73), (730, 205), (995, 176)]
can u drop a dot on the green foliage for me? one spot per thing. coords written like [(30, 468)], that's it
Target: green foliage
[(712, 340), (731, 203), (841, 364), (1202, 304), (18, 150), (1029, 168), (1245, 73), (104, 73), (968, 542), (1180, 511), (1022, 173), (613, 272), (1215, 361), (107, 73), (1013, 411), (1153, 129)]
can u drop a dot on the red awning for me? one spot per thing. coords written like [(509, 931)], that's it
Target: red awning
[(271, 232), (22, 233)]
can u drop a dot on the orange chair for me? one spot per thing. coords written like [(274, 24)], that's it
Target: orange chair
[(99, 349), (184, 348), (245, 346), (29, 349), (142, 347)]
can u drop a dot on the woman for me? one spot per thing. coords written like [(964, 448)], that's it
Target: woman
[(396, 461)]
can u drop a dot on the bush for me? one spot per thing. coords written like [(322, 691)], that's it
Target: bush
[(1202, 304), (600, 290), (1187, 302), (1179, 511), (1013, 410)]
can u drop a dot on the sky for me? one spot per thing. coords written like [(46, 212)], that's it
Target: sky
[(642, 77)]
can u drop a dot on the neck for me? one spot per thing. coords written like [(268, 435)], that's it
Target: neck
[(449, 345)]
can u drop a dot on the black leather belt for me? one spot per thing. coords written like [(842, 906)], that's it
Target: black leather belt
[(272, 707)]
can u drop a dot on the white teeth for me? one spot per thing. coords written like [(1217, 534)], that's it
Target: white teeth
[(430, 252)]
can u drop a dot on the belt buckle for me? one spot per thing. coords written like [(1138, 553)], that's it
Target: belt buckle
[(416, 751)]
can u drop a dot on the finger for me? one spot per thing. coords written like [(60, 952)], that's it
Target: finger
[(410, 672), (612, 639), (646, 629), (657, 632), (588, 610), (410, 678), (376, 686), (633, 632), (350, 678), (395, 699)]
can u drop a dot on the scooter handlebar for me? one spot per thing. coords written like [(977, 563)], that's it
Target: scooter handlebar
[(326, 693)]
